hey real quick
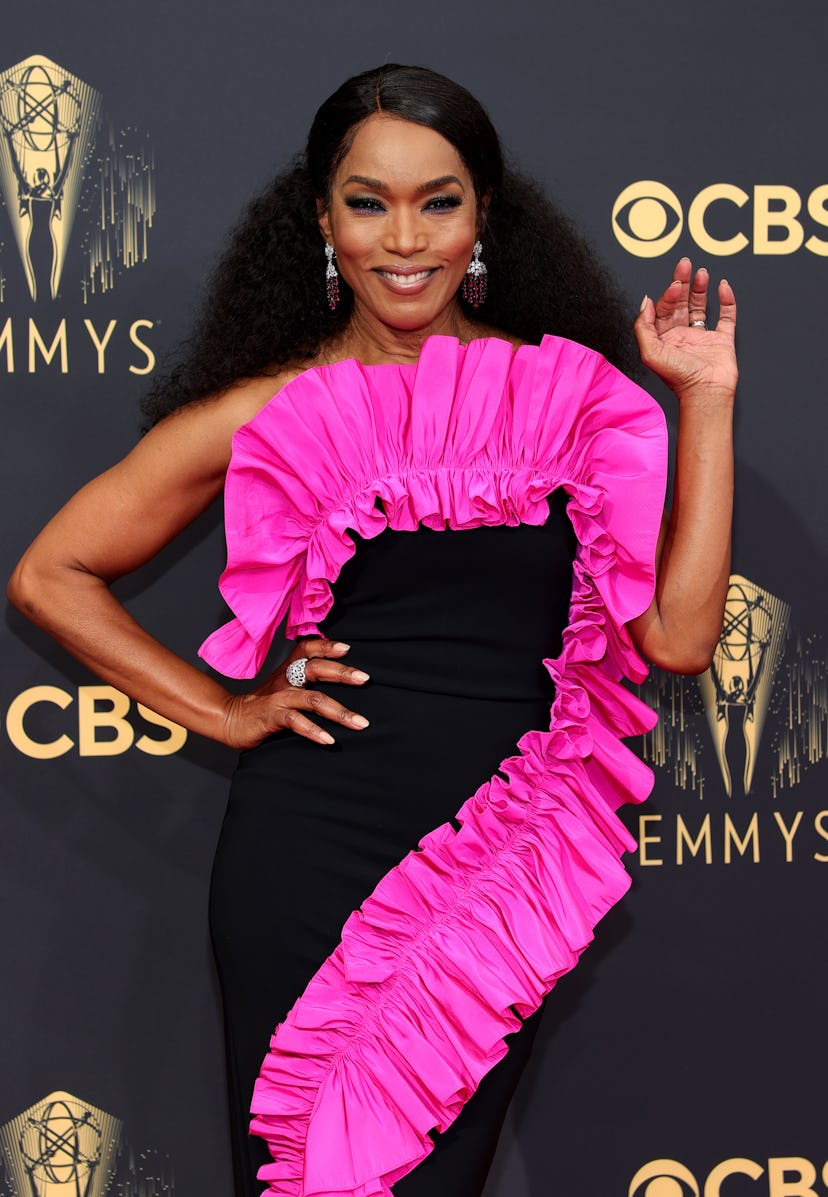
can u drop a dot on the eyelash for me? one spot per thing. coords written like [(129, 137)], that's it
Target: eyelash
[(439, 203)]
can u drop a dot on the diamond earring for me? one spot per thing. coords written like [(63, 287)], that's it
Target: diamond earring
[(332, 278), (475, 283)]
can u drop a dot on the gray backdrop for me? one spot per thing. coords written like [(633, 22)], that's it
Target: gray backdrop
[(687, 1054)]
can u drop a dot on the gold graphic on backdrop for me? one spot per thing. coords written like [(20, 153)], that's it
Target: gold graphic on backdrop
[(64, 1147), (764, 679), (647, 218), (740, 679), (61, 1147), (48, 120), (56, 167)]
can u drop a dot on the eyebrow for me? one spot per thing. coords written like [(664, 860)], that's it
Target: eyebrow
[(378, 185)]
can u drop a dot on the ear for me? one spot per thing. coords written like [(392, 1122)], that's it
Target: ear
[(323, 217), (483, 210)]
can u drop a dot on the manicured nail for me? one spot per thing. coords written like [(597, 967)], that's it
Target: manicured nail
[(359, 676), (340, 647), (359, 721), (326, 738), (644, 303)]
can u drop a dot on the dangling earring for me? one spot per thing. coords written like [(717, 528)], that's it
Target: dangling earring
[(475, 283), (332, 278)]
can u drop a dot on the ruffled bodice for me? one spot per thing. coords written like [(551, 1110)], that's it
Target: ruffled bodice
[(472, 929)]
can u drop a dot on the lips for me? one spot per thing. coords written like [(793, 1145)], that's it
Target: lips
[(402, 279)]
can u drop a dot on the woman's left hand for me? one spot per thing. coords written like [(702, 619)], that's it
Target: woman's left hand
[(696, 362)]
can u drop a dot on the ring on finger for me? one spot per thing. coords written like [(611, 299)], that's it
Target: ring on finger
[(296, 674), (698, 324)]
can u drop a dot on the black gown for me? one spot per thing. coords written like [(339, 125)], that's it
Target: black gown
[(454, 649)]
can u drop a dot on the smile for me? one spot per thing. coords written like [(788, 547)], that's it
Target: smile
[(412, 279)]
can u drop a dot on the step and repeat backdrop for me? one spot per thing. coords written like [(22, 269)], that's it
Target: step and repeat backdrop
[(687, 1053)]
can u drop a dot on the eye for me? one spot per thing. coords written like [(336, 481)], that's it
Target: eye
[(364, 203), (663, 1178), (443, 203)]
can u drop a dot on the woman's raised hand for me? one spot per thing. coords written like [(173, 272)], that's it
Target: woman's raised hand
[(277, 705), (697, 362)]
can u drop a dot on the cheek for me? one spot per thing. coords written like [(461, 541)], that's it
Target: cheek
[(355, 240)]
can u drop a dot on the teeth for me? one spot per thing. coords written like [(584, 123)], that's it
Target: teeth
[(405, 278)]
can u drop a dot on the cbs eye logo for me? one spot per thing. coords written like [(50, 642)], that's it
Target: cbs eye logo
[(722, 219), (784, 1176), (647, 219), (664, 1178)]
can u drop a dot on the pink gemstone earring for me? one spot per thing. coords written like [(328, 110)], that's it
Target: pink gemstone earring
[(475, 283), (332, 278)]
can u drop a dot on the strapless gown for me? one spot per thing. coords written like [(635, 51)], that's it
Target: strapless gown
[(479, 528)]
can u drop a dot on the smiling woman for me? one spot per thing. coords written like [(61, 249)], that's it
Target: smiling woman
[(406, 234), (468, 510)]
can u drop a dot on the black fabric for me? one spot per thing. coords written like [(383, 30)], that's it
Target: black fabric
[(453, 627)]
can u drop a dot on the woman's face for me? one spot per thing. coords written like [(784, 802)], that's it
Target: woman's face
[(403, 219)]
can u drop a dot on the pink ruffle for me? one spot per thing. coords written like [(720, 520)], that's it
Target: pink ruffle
[(469, 932)]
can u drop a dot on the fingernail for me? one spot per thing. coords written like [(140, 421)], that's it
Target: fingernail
[(359, 721), (340, 647), (724, 280), (644, 302), (326, 738), (359, 676), (703, 269)]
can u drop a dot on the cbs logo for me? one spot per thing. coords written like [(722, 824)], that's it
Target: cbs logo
[(100, 719), (648, 219), (785, 1176)]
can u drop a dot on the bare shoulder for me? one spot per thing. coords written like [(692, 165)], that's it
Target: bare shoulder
[(191, 448), (226, 411)]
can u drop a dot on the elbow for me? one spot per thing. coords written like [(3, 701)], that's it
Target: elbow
[(32, 589), (21, 589), (691, 658)]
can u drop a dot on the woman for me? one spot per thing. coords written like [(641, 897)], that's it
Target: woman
[(344, 352)]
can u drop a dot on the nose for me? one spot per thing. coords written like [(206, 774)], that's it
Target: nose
[(404, 233)]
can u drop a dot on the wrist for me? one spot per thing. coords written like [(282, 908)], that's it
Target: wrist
[(703, 398)]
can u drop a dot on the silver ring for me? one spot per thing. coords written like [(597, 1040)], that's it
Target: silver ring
[(295, 672), (698, 324)]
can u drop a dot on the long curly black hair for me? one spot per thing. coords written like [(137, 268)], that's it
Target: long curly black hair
[(266, 305)]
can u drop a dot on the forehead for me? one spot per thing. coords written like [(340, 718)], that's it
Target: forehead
[(399, 151)]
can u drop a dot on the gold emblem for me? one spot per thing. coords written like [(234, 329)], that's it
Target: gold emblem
[(64, 1147), (61, 1147), (738, 685), (764, 678), (48, 120)]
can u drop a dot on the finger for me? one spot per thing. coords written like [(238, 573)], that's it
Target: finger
[(697, 302), (672, 307), (647, 321), (645, 328), (319, 646), (295, 721), (683, 271), (329, 708), (727, 309), (320, 670)]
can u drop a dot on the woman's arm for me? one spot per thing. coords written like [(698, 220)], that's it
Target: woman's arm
[(682, 626), (118, 522)]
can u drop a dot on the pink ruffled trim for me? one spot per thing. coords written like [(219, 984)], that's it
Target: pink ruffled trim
[(470, 435), (470, 931)]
